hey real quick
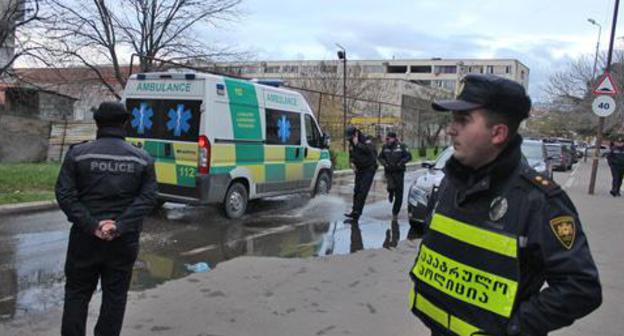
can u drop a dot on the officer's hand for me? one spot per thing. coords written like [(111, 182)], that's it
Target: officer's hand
[(353, 167), (105, 229)]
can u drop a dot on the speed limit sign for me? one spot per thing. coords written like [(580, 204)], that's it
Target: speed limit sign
[(603, 105)]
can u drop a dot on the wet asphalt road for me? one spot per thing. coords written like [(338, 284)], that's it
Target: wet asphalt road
[(33, 246)]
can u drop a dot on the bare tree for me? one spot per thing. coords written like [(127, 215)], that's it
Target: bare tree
[(106, 32), (570, 95), (16, 16)]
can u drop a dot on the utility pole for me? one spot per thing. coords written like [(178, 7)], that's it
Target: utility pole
[(342, 54), (601, 120)]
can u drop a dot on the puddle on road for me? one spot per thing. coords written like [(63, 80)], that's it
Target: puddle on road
[(286, 227)]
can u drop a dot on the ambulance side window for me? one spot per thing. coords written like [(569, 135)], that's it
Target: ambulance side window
[(312, 133), (282, 127)]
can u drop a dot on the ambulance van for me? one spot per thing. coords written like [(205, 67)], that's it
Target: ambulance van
[(221, 140)]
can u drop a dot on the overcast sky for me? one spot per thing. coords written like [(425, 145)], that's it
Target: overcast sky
[(543, 34)]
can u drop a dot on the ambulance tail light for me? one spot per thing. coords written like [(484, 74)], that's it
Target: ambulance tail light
[(204, 154)]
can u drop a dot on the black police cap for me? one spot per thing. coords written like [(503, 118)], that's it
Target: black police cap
[(497, 94), (111, 113), (350, 131)]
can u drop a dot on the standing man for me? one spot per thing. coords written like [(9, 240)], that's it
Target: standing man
[(105, 187), (363, 160), (615, 159), (499, 231), (393, 156)]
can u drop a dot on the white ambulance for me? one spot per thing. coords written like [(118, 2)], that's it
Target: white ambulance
[(222, 140)]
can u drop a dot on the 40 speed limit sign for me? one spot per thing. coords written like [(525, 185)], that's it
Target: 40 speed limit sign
[(603, 105)]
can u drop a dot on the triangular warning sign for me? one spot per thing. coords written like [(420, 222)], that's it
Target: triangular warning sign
[(606, 85)]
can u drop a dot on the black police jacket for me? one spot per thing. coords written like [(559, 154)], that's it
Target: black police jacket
[(615, 156), (394, 157), (363, 154), (553, 248), (107, 179)]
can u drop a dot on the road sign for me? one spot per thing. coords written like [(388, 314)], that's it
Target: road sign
[(603, 105), (606, 85)]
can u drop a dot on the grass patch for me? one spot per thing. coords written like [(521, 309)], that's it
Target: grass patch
[(27, 182)]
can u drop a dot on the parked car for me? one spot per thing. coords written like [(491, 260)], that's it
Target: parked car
[(421, 189), (589, 151), (560, 155), (533, 151)]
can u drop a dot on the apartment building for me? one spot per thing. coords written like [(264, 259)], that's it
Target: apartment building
[(434, 72)]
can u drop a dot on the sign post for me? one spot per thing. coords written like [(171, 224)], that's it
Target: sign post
[(605, 104)]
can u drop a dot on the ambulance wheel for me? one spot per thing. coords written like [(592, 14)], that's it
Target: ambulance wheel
[(235, 203), (323, 184)]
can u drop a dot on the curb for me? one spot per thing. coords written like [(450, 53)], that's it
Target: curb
[(18, 208)]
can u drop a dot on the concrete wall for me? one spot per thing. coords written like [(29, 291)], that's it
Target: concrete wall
[(23, 139), (54, 107)]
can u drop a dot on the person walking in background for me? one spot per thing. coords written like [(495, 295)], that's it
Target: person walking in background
[(498, 230), (615, 159), (105, 187), (393, 157), (363, 160)]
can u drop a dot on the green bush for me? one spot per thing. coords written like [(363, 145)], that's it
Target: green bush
[(25, 182)]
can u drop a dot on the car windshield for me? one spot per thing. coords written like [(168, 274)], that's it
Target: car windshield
[(533, 150), (444, 156)]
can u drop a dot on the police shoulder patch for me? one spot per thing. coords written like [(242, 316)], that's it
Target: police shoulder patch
[(546, 185), (564, 229)]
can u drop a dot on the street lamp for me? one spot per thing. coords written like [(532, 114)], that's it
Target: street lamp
[(592, 21), (342, 54)]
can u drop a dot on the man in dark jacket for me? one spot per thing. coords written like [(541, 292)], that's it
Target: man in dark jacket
[(363, 160), (393, 156), (105, 187), (615, 159), (498, 230)]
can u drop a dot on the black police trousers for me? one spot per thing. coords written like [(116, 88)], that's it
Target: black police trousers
[(395, 188), (616, 174), (363, 181), (90, 259)]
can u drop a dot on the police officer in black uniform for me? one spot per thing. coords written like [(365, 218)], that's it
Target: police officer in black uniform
[(105, 187), (498, 230), (363, 159), (615, 159), (393, 156)]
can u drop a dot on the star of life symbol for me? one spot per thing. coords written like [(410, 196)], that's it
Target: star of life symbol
[(179, 120), (283, 128), (142, 118)]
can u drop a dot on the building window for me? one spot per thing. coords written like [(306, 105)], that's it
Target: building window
[(420, 69), (446, 69), (329, 68), (397, 69), (373, 68), (489, 69), (290, 68), (522, 75), (272, 69), (508, 69)]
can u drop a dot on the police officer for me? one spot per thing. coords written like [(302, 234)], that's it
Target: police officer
[(615, 159), (393, 156), (105, 187), (498, 230), (363, 160)]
